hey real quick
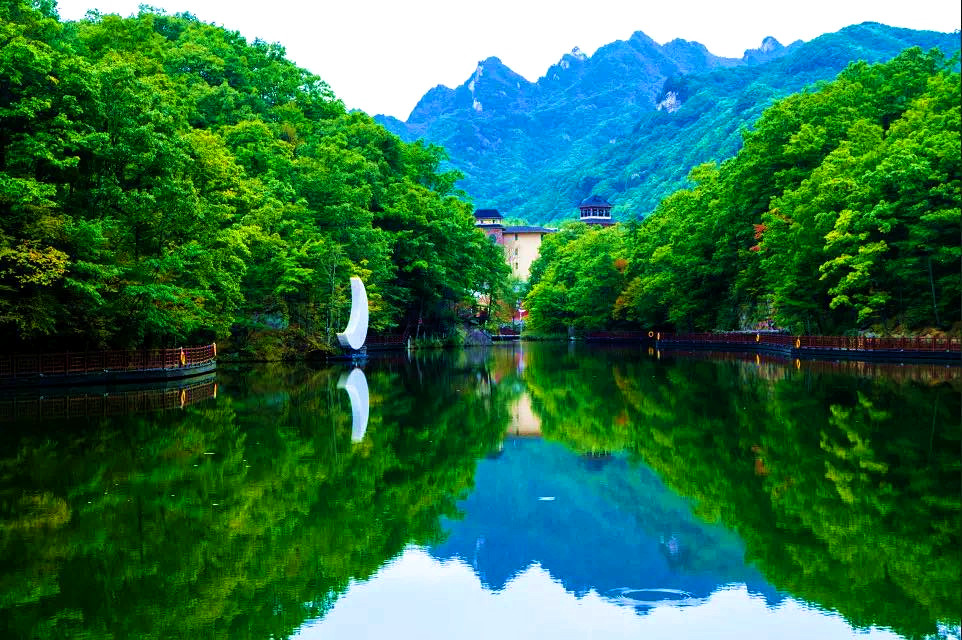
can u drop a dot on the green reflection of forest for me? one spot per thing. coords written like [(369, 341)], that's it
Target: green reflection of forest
[(238, 518), (846, 490)]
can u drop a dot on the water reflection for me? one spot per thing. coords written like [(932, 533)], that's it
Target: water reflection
[(541, 504), (451, 603), (355, 383), (236, 519), (845, 489), (37, 404), (250, 513)]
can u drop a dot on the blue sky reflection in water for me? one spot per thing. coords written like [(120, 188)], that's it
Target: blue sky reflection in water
[(607, 556), (418, 596)]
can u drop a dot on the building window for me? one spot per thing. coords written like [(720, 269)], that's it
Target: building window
[(516, 239)]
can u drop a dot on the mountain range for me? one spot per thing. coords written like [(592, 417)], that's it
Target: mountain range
[(628, 122)]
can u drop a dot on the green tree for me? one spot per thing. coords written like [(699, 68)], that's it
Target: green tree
[(165, 181), (577, 279)]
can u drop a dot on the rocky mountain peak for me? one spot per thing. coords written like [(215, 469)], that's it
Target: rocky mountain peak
[(531, 147), (769, 49), (770, 44)]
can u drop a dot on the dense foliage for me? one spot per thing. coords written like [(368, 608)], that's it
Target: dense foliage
[(534, 150), (576, 279), (163, 180), (841, 212), (844, 490)]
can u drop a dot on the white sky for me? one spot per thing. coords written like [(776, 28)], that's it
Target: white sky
[(381, 56), (416, 597)]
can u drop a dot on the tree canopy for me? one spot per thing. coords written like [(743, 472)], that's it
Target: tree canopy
[(164, 180)]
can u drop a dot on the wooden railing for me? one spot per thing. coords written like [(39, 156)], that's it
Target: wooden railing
[(618, 335), (849, 343), (728, 338), (385, 339), (862, 343), (76, 363)]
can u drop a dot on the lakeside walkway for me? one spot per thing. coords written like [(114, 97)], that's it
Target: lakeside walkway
[(98, 367), (947, 350)]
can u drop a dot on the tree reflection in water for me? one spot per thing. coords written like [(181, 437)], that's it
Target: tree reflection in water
[(235, 519), (243, 516), (845, 489)]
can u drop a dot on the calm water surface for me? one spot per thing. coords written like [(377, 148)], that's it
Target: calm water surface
[(544, 491)]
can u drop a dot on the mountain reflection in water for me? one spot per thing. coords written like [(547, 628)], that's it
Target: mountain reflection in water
[(615, 530)]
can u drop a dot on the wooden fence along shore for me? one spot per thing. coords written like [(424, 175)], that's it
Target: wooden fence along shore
[(106, 366), (168, 364), (834, 347)]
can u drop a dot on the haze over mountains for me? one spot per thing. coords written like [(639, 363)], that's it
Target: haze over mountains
[(628, 122)]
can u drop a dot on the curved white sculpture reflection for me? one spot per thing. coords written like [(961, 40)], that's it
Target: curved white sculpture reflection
[(355, 383), (355, 334)]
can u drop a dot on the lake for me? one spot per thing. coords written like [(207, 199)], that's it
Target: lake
[(537, 490)]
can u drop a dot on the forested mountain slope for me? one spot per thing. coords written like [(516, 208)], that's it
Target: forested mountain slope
[(841, 212), (629, 122)]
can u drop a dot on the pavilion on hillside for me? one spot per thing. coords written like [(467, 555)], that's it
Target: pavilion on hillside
[(596, 210)]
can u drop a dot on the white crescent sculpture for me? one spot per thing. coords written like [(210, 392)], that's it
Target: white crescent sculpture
[(355, 383), (356, 332)]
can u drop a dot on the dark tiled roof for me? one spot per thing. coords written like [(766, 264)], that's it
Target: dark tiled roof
[(527, 229), (594, 201), (487, 213)]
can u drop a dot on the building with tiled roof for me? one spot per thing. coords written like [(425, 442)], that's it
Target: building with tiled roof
[(489, 221), (595, 210), (521, 246), (529, 229), (521, 243)]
